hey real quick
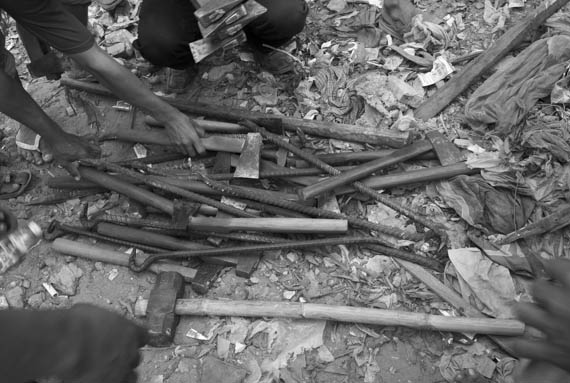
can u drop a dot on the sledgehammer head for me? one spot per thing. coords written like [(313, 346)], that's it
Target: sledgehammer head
[(161, 319)]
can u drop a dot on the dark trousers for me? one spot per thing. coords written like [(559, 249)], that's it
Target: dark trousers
[(43, 62), (35, 47), (166, 27)]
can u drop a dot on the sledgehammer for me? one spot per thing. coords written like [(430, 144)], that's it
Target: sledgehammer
[(161, 320), (260, 309)]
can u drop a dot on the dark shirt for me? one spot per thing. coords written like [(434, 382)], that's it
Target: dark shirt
[(50, 22), (35, 344)]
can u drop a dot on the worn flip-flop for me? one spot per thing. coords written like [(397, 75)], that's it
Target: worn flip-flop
[(29, 140), (14, 183)]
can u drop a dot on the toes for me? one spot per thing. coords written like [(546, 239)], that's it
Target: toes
[(47, 157), (37, 158), (26, 155)]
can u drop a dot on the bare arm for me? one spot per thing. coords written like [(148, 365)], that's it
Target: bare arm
[(16, 103), (19, 105), (127, 86)]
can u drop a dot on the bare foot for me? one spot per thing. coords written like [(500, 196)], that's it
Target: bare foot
[(31, 147)]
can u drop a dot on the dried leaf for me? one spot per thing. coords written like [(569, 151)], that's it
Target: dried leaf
[(491, 283)]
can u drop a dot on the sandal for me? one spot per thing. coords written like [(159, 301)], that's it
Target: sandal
[(14, 183)]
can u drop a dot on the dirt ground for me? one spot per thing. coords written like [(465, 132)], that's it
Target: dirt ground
[(401, 355), (336, 276)]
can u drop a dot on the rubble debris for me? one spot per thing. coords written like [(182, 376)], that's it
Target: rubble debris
[(441, 69), (50, 289), (289, 340), (36, 300), (496, 17), (66, 279), (4, 305), (219, 72), (404, 92), (466, 362), (265, 95), (15, 297), (254, 371), (337, 5), (379, 265), (325, 355), (560, 92), (217, 371), (428, 34), (113, 274)]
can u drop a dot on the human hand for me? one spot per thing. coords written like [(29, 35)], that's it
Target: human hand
[(533, 371), (69, 148), (109, 350), (551, 315), (184, 134)]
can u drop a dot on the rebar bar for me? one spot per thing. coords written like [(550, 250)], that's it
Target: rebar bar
[(168, 228), (271, 209), (244, 237), (51, 234), (421, 260), (236, 191), (134, 222), (274, 173), (275, 139), (173, 189)]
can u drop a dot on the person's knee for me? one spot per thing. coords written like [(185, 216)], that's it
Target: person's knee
[(286, 17), (290, 16), (159, 48)]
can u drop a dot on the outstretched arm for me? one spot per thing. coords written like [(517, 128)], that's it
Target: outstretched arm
[(16, 103), (127, 86), (49, 21)]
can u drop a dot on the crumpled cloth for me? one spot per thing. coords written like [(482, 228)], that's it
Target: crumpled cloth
[(507, 96), (485, 207)]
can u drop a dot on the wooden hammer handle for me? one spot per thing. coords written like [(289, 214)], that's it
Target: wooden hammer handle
[(98, 254), (270, 225), (210, 307), (159, 137), (206, 125)]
